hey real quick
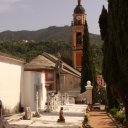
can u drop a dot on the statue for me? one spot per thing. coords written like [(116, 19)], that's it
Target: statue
[(3, 122), (61, 116), (0, 108)]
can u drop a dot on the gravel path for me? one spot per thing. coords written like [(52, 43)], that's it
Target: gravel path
[(100, 119)]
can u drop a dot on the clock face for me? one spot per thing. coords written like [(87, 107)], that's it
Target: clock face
[(78, 17)]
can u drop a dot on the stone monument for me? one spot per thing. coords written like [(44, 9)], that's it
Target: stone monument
[(27, 115)]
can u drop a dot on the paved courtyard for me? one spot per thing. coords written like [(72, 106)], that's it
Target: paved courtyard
[(73, 115)]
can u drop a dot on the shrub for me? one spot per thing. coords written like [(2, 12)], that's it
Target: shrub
[(86, 126), (113, 111), (85, 122), (107, 108), (120, 116)]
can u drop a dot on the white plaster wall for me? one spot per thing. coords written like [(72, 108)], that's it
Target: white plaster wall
[(31, 78), (10, 82)]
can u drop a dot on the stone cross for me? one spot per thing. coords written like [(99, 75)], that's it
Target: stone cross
[(37, 101), (37, 112)]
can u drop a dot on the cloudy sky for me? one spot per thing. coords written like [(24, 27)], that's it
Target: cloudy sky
[(18, 15)]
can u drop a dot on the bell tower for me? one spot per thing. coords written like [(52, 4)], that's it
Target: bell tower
[(77, 35)]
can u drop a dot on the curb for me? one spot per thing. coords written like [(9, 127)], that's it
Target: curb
[(116, 123)]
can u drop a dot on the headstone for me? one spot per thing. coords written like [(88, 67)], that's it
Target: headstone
[(61, 116), (27, 115)]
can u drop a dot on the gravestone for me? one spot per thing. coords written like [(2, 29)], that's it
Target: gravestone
[(27, 115)]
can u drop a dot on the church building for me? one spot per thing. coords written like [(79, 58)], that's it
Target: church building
[(77, 35)]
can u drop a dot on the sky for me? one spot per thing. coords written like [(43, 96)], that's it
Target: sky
[(16, 15)]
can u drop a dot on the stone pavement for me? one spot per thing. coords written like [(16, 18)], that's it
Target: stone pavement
[(73, 119), (73, 114), (100, 119)]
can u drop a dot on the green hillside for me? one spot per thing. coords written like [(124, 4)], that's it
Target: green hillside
[(50, 33), (52, 40)]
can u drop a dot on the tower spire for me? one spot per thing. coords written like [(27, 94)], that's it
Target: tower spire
[(79, 2)]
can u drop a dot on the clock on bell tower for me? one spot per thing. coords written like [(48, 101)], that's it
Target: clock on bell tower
[(77, 35)]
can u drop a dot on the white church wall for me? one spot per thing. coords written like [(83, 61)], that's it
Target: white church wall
[(10, 83)]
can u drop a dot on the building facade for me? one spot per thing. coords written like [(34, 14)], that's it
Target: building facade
[(38, 78), (41, 75)]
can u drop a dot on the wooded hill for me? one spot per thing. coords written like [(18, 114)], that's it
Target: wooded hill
[(52, 40), (50, 33)]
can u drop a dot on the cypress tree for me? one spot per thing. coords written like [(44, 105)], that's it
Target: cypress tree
[(103, 24), (103, 19), (116, 49), (87, 65)]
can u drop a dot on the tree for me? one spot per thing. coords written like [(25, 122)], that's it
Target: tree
[(115, 68), (103, 24), (87, 64), (103, 19)]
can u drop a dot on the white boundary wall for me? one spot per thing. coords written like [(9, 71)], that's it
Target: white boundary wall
[(10, 84)]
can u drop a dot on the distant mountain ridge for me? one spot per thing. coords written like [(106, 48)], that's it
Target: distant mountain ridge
[(50, 33)]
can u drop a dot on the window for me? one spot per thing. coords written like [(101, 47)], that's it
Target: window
[(79, 38), (50, 75)]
